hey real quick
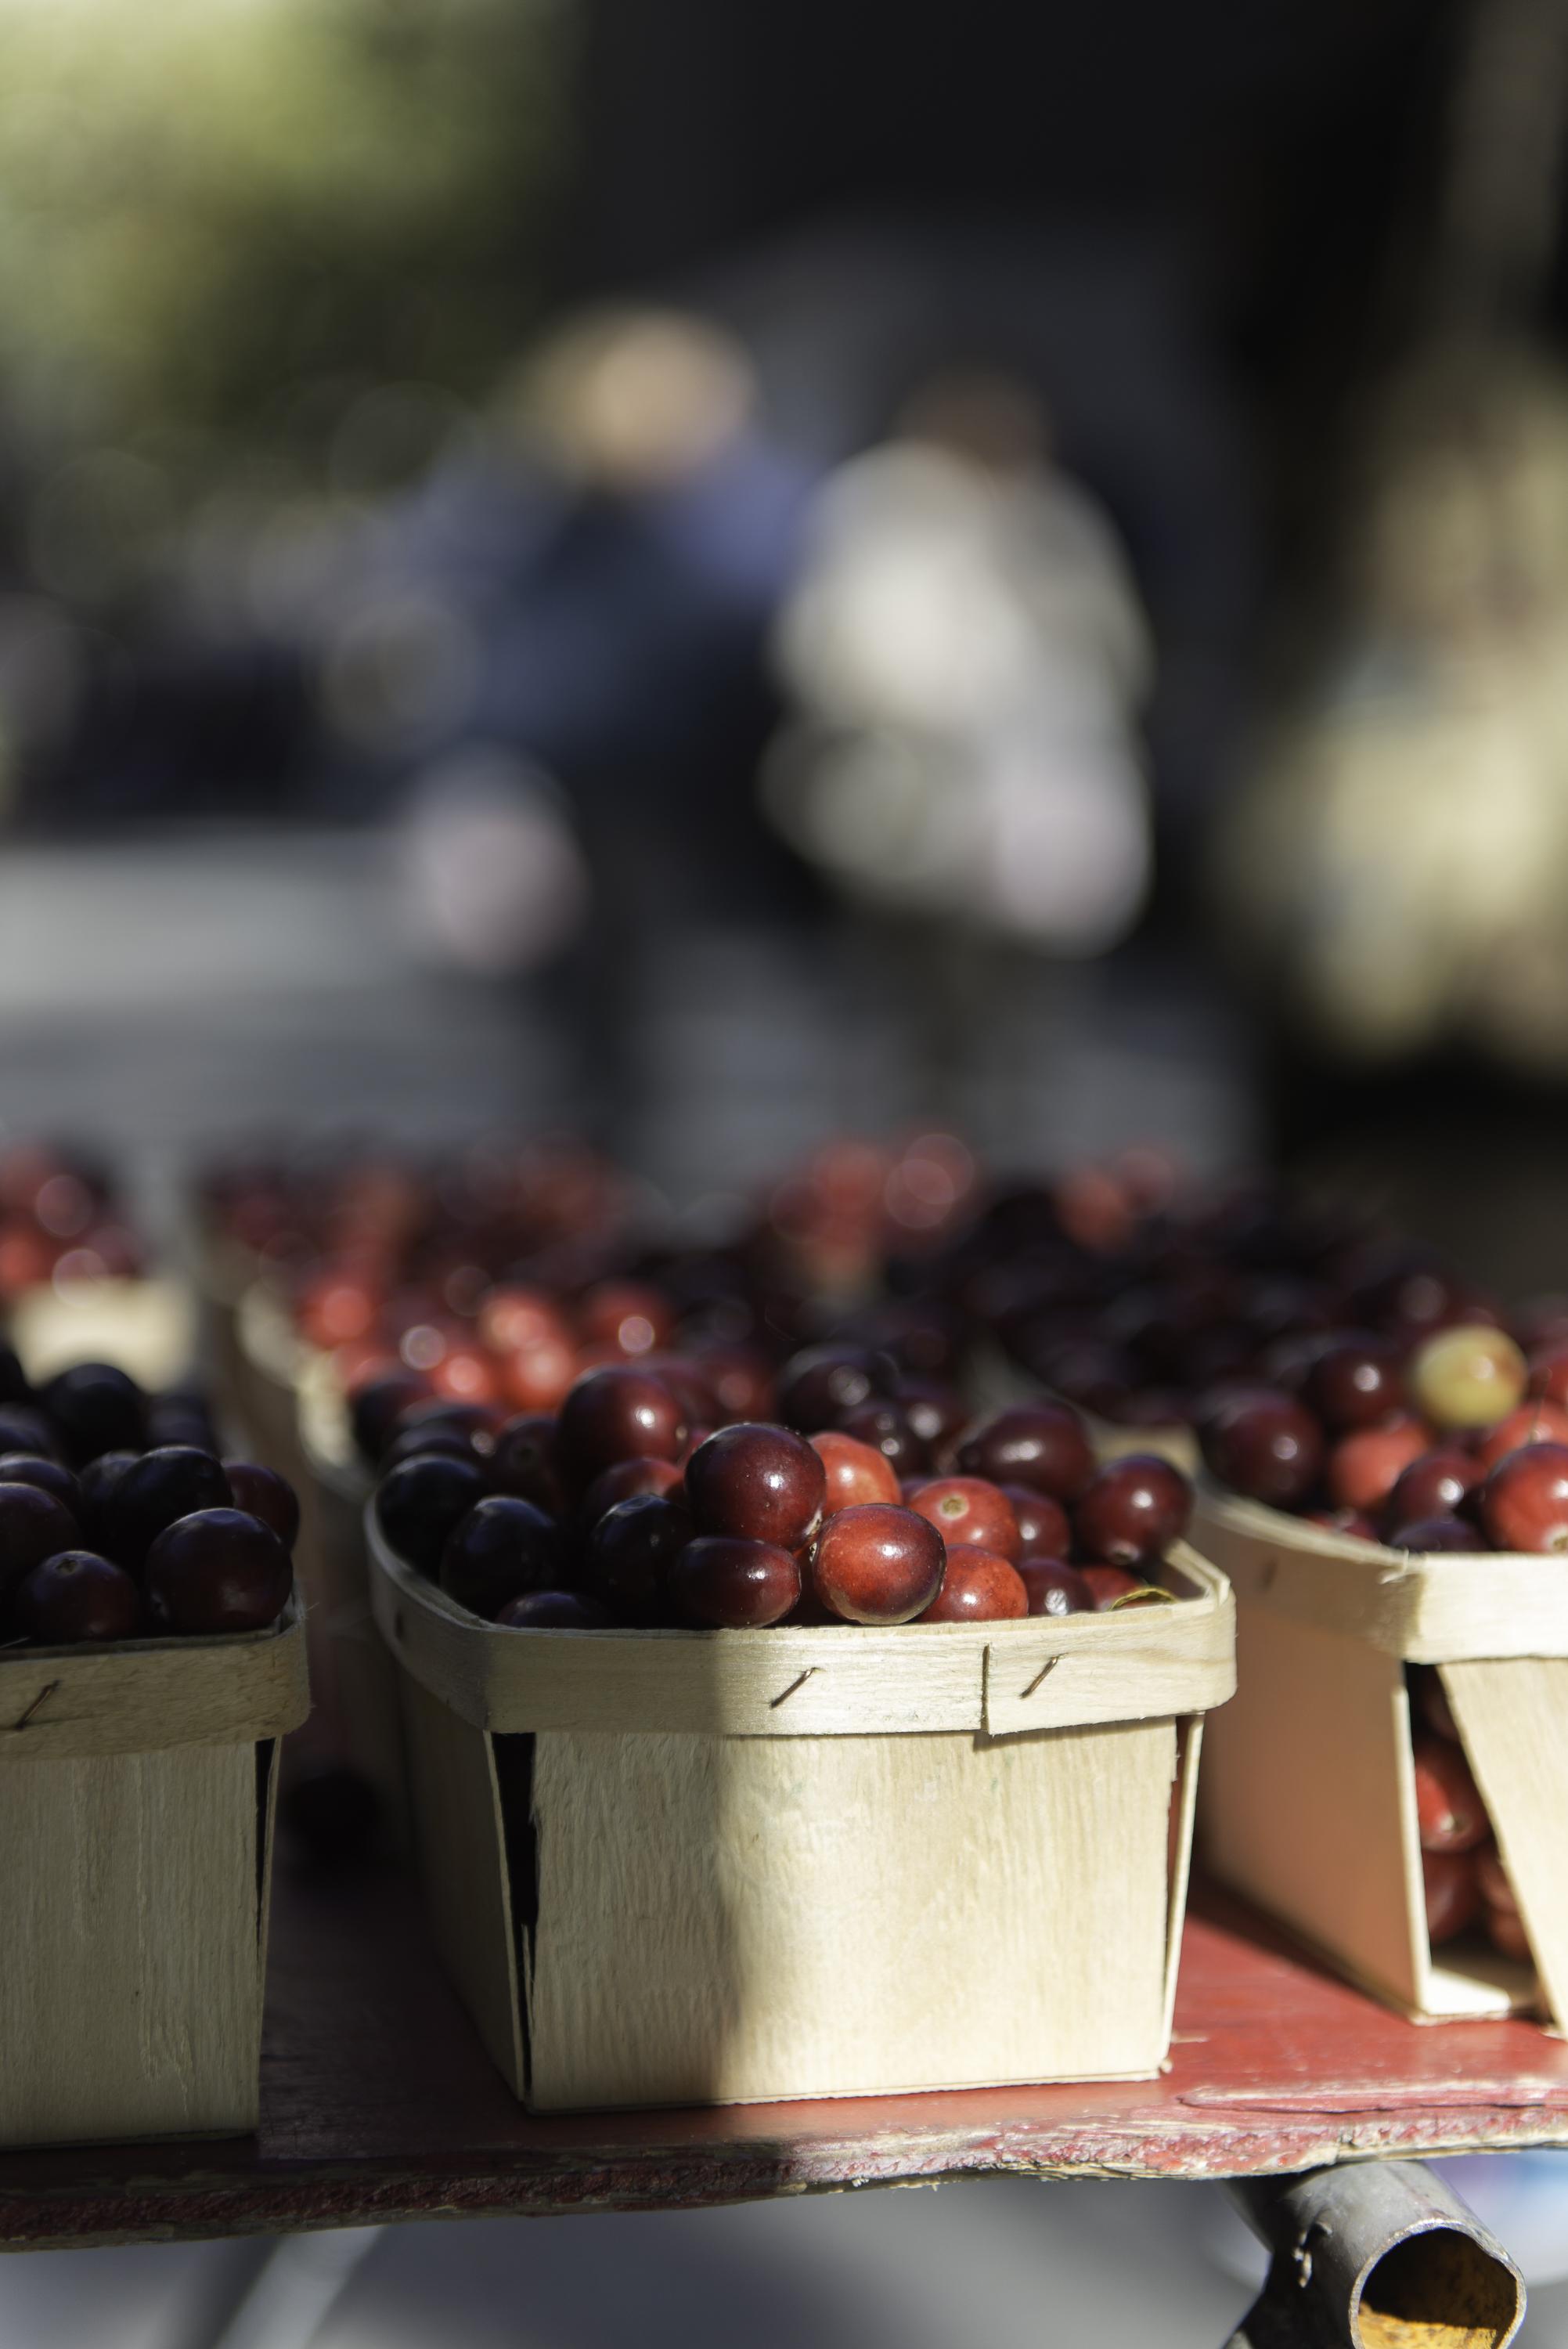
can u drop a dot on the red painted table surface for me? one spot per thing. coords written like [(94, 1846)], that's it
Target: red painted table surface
[(378, 2102)]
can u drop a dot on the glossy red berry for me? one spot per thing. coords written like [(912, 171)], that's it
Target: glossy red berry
[(1433, 1485), (726, 1583), (977, 1587), (1133, 1510), (1044, 1530), (1264, 1445), (503, 1547), (1533, 1422), (756, 1483), (855, 1472), (214, 1571), (1453, 1897), (1524, 1504), (877, 1564), (263, 1492), (970, 1509), (1364, 1468), (419, 1503), (616, 1412), (1043, 1445), (1355, 1380), (628, 1555), (1053, 1587), (78, 1597)]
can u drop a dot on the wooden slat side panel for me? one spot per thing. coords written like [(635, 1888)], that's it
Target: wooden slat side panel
[(724, 1920), (1513, 1714), (1179, 1860), (130, 1994), (152, 1695), (461, 1841), (1304, 1795)]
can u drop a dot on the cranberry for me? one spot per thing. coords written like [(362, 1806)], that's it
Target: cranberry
[(174, 1482), (176, 1419), (1467, 1377), (217, 1570), (740, 1380), (626, 1478), (553, 1610), (877, 1564), (818, 1386), (1491, 1877), (1132, 1512), (1053, 1587), (501, 1548), (514, 1320), (888, 1429), (1533, 1422), (689, 1385), (97, 1485), (630, 1315), (1506, 1932), (436, 1416), (1264, 1445), (77, 1597), (1433, 1485), (970, 1509), (1524, 1501), (1449, 1812), (421, 1502), (1549, 1372), (977, 1587), (732, 1584), (1043, 1528), (24, 1428), (540, 1376), (97, 1408), (937, 1413), (1042, 1445), (1355, 1380), (617, 1413), (756, 1483), (1107, 1584), (1453, 1897), (1426, 1537), (523, 1461), (628, 1559), (1365, 1467), (855, 1473), (263, 1492), (32, 1468)]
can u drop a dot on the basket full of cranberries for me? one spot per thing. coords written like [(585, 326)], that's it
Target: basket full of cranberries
[(737, 1714)]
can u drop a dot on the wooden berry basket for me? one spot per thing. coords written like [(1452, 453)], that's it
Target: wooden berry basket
[(136, 1823), (714, 1866), (1309, 1801)]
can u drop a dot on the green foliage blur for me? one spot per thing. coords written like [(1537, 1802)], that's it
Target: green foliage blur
[(221, 221)]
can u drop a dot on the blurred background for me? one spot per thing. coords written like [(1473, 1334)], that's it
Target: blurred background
[(707, 575)]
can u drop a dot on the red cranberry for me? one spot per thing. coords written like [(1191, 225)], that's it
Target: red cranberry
[(1042, 1445), (1107, 1584), (421, 1502), (263, 1492), (375, 1405), (855, 1473), (1264, 1446), (888, 1429), (970, 1509), (1524, 1501), (1453, 1897), (1549, 1372), (97, 1408), (732, 1584), (78, 1596), (1043, 1528), (626, 1478), (1449, 1812), (33, 1527), (740, 1380), (617, 1413), (1355, 1380), (937, 1413), (217, 1570), (1365, 1467), (174, 1482), (818, 1386), (553, 1610), (501, 1548), (977, 1587), (1506, 1931), (1533, 1422), (756, 1483), (631, 1315), (1433, 1485), (523, 1461), (1053, 1587), (689, 1385), (628, 1559), (1132, 1512), (96, 1484), (877, 1564), (1491, 1877), (49, 1476)]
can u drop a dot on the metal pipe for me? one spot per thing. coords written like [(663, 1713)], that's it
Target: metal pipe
[(1375, 2255)]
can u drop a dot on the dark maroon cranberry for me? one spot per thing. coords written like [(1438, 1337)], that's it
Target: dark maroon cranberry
[(96, 1484), (1264, 1445), (887, 1428), (627, 1558), (1287, 1361), (553, 1610), (420, 1443), (978, 1587), (1435, 1485), (688, 1381), (523, 1461), (616, 1412), (33, 1527), (621, 1482), (263, 1492), (1355, 1380), (421, 1502), (740, 1380), (730, 1584), (374, 1406), (214, 1571), (1423, 1534), (1042, 1445), (1523, 1505), (32, 1468), (1095, 1376), (97, 1408), (818, 1386), (155, 1490), (1044, 1530), (24, 1428), (937, 1413), (877, 1564), (176, 1419), (1107, 1584), (757, 1484), (77, 1597), (1134, 1509), (434, 1415), (1055, 1588), (501, 1548)]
